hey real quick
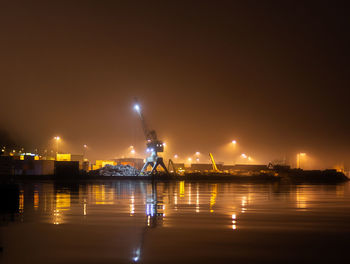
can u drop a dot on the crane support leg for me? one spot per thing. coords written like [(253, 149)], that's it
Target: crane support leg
[(144, 168), (159, 162)]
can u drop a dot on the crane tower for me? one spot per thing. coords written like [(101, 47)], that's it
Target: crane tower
[(154, 145)]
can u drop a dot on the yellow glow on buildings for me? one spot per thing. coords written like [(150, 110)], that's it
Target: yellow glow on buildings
[(101, 163), (108, 162), (339, 167), (96, 167), (63, 157)]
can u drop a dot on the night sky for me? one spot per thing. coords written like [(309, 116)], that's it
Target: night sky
[(272, 75)]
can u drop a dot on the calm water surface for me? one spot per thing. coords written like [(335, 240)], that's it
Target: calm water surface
[(177, 222)]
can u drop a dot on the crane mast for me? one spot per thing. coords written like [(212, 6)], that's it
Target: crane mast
[(154, 145)]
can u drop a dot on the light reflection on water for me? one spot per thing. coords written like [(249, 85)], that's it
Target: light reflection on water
[(139, 221)]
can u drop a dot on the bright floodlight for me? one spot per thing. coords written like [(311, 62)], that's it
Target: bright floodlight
[(137, 108), (234, 142), (57, 138)]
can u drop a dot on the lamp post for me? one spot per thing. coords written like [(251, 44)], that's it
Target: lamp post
[(57, 140), (84, 150), (299, 155)]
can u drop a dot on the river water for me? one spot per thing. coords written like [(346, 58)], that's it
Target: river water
[(177, 222)]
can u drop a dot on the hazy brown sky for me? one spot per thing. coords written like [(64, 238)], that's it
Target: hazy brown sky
[(273, 75)]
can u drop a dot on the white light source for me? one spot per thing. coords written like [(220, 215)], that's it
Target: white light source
[(137, 108)]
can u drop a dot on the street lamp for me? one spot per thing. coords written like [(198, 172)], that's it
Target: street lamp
[(299, 156), (57, 140), (84, 149), (234, 142)]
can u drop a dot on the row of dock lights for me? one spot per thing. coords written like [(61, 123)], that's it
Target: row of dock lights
[(300, 156)]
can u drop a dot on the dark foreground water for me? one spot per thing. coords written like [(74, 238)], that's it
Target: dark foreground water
[(177, 222)]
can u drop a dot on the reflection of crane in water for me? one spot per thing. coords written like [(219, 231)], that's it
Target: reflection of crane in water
[(154, 145), (154, 214)]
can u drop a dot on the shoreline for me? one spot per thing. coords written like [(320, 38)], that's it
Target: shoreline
[(293, 177)]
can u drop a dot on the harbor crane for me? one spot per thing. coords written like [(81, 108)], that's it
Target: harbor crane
[(215, 168), (154, 145)]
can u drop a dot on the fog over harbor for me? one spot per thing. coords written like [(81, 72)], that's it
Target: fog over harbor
[(274, 77)]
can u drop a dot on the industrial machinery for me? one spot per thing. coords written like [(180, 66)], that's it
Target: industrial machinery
[(215, 169), (171, 167), (154, 145)]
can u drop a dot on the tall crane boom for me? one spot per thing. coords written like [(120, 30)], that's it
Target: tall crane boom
[(153, 144), (149, 134)]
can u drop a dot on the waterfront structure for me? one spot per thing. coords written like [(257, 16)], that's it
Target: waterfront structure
[(134, 162)]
